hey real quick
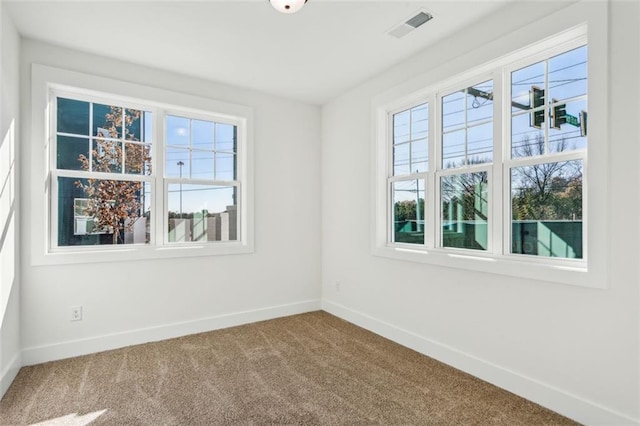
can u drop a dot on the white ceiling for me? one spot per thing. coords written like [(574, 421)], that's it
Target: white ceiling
[(313, 56)]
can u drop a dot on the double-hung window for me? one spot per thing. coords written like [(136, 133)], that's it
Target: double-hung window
[(490, 167), (201, 185), (128, 174), (466, 154), (547, 155), (408, 173)]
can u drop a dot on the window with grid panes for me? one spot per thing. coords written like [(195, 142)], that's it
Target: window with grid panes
[(107, 184), (505, 177)]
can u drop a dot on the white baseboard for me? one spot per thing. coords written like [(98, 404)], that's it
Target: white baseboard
[(40, 354), (572, 406), (9, 374)]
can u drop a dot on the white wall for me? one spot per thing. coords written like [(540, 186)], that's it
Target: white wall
[(9, 281), (137, 301), (570, 348)]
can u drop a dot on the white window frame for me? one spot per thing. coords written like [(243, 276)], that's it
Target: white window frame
[(49, 82), (392, 178), (589, 271)]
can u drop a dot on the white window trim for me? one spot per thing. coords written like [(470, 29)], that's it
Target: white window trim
[(43, 79), (589, 271)]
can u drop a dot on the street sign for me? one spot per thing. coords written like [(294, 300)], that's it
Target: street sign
[(573, 120)]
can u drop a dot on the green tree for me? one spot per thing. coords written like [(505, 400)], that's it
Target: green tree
[(546, 191), (405, 210)]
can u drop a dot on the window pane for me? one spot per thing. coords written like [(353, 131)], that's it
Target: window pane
[(465, 208), (567, 132), (480, 144), (147, 127), (70, 153), (568, 74), (467, 126), (410, 141), (202, 213), (177, 131), (453, 146), (522, 82), (106, 156), (408, 221), (107, 121), (203, 135), (202, 165), (401, 127), (135, 125), (73, 117), (401, 154), (419, 156), (419, 138), (177, 162), (225, 167), (102, 212), (137, 159), (419, 122), (546, 209), (453, 110), (526, 141), (225, 137), (480, 103)]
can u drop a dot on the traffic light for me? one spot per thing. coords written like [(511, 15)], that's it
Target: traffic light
[(583, 123), (558, 115), (536, 99)]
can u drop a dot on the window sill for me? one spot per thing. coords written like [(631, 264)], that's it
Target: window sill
[(100, 254), (570, 273)]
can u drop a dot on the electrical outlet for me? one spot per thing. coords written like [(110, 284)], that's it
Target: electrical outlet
[(76, 313)]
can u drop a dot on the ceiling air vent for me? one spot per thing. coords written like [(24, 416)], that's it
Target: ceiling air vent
[(410, 24)]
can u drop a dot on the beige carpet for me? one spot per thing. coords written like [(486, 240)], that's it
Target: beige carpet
[(301, 370)]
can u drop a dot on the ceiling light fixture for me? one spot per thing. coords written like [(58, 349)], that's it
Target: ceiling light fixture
[(287, 6)]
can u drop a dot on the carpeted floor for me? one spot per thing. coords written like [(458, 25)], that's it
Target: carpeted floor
[(301, 370)]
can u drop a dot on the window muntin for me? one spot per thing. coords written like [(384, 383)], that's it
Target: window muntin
[(105, 186), (470, 179), (203, 197), (124, 132), (94, 140), (548, 148), (467, 126), (549, 105), (411, 140), (467, 146), (200, 149), (410, 160)]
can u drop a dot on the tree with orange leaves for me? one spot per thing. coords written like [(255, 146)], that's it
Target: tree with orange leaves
[(115, 205)]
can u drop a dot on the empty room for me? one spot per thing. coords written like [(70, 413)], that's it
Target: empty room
[(319, 212)]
